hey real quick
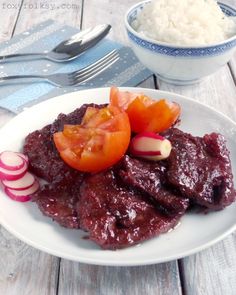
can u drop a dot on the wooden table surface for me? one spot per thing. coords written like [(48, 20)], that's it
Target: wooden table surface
[(27, 271)]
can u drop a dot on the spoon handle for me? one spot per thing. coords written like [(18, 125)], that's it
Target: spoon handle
[(21, 56)]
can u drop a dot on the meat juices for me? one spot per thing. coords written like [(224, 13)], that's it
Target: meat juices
[(136, 199)]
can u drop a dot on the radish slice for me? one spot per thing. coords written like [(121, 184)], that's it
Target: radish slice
[(11, 161), (6, 174), (22, 183), (22, 195), (23, 157), (151, 146)]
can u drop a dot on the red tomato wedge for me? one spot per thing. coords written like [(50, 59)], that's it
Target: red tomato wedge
[(98, 143), (145, 114)]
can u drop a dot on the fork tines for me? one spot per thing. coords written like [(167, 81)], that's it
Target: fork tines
[(96, 68)]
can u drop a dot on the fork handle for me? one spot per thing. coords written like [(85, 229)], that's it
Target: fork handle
[(21, 56), (21, 77)]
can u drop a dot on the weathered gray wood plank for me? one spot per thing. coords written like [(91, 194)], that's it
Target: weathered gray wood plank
[(24, 270), (212, 271), (9, 12), (232, 65), (34, 12), (108, 11), (149, 83), (92, 280)]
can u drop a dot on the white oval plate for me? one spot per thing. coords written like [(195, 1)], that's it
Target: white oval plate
[(196, 231)]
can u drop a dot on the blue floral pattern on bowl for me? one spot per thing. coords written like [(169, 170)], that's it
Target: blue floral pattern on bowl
[(179, 51)]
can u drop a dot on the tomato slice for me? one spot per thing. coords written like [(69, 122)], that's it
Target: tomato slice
[(98, 143), (121, 99), (145, 114)]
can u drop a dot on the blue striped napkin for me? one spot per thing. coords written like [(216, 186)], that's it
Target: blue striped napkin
[(15, 97)]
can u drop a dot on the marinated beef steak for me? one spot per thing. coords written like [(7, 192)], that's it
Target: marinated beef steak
[(116, 216), (44, 159), (59, 203), (149, 177), (199, 167)]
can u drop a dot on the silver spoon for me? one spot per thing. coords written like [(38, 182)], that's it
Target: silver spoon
[(69, 49)]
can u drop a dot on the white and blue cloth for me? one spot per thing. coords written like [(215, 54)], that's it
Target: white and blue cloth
[(127, 71)]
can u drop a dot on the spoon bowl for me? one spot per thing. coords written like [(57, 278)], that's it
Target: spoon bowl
[(77, 44)]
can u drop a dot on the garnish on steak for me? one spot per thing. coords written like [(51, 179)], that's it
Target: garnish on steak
[(145, 113), (150, 146), (98, 142)]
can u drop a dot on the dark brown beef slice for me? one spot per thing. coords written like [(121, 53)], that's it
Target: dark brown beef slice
[(59, 203), (149, 178), (200, 168), (117, 217), (44, 159), (57, 200)]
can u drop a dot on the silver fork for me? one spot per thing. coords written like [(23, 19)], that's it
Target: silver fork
[(73, 78)]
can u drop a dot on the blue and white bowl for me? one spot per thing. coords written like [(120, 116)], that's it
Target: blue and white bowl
[(179, 64)]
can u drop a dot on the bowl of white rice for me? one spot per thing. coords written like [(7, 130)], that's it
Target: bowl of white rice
[(182, 41)]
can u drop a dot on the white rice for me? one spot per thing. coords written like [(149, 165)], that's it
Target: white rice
[(185, 22)]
